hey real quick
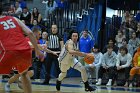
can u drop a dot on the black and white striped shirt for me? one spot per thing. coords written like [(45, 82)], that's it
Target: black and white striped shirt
[(54, 42)]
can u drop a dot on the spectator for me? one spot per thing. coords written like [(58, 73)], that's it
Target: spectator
[(134, 41), (125, 16), (129, 47), (132, 23), (11, 10), (119, 38), (18, 9), (44, 38), (26, 15), (91, 68), (111, 42), (35, 24), (50, 7), (108, 64), (36, 16), (138, 30), (85, 43), (124, 62), (43, 42)]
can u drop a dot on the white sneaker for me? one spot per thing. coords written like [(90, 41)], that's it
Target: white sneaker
[(126, 84), (7, 87), (99, 82), (109, 82), (130, 85)]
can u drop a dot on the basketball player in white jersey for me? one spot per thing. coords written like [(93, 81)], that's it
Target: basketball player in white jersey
[(67, 59)]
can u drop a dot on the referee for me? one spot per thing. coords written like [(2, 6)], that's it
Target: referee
[(54, 43)]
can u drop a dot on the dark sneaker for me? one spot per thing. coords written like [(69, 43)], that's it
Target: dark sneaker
[(88, 87), (58, 84)]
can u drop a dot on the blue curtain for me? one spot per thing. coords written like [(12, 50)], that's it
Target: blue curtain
[(98, 21), (92, 22), (82, 24)]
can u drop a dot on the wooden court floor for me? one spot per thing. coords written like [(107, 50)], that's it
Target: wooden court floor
[(69, 85)]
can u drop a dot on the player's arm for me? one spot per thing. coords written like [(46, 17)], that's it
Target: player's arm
[(43, 48), (28, 32), (72, 51), (49, 51)]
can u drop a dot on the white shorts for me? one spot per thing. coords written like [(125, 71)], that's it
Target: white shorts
[(74, 64)]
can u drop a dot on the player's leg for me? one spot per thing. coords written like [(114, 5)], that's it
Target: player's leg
[(26, 82), (11, 80), (62, 75), (78, 66), (24, 62), (30, 73)]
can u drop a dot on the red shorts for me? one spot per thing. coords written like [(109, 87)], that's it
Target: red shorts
[(18, 59)]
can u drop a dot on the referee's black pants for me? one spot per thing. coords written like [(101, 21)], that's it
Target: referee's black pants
[(48, 65)]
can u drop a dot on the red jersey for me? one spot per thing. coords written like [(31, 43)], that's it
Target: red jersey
[(11, 35)]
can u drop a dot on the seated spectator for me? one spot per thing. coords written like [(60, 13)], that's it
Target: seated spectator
[(108, 64), (136, 67), (18, 9), (129, 47), (50, 7), (124, 62), (11, 10), (134, 41), (119, 38), (35, 15), (111, 42), (44, 38), (125, 16), (138, 30), (91, 68), (125, 25), (132, 23), (35, 24), (26, 15)]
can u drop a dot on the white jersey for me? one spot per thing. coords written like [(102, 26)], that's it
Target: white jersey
[(65, 57)]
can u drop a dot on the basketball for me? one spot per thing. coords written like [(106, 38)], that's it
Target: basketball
[(89, 58)]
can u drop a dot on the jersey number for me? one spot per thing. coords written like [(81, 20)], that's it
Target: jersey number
[(8, 24)]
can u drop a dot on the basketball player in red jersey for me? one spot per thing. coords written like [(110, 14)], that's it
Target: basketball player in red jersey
[(15, 52)]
